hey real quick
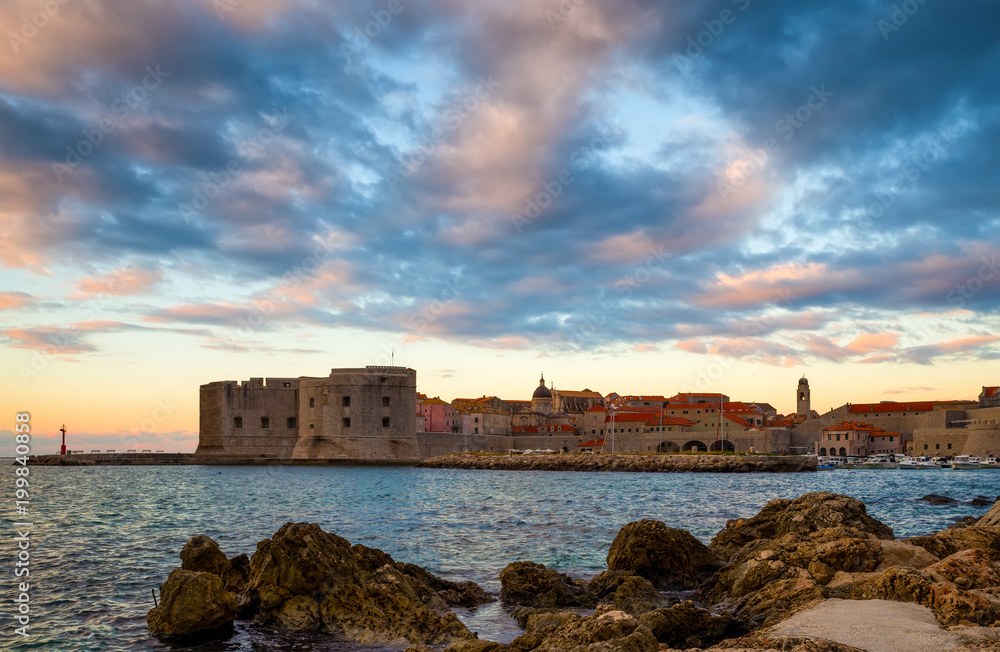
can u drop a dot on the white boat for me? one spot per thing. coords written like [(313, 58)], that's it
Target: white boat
[(965, 463), (911, 463), (881, 462), (990, 463)]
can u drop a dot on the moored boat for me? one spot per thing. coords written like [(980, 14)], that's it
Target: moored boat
[(965, 463), (990, 463)]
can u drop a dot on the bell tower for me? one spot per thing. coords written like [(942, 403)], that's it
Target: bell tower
[(802, 398)]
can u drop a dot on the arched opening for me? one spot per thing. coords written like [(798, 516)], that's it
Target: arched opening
[(695, 446), (668, 447), (724, 445), (843, 452), (822, 451)]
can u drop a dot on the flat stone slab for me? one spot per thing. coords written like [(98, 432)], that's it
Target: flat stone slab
[(873, 625)]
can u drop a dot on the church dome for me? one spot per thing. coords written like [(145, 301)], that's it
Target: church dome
[(541, 391)]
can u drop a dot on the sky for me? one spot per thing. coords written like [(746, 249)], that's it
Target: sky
[(633, 196)]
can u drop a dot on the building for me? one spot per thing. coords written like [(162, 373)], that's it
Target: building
[(989, 397), (439, 415), (357, 414), (803, 399), (856, 439)]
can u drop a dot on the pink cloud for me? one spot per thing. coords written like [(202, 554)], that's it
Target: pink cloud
[(123, 281), (15, 300), (871, 342), (691, 346)]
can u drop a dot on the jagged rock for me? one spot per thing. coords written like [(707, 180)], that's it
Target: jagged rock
[(306, 579), (769, 642), (604, 631), (668, 557), (636, 595), (202, 554), (967, 569), (936, 499), (806, 514), (236, 574), (775, 602), (474, 645), (981, 501), (530, 584), (992, 517), (906, 554), (951, 605), (454, 594), (961, 537), (685, 625), (603, 586), (192, 604), (539, 621)]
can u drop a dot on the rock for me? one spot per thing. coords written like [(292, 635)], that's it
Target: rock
[(906, 554), (981, 501), (193, 604), (237, 573), (967, 569), (202, 554), (992, 517), (685, 625), (305, 579), (776, 601), (300, 614), (636, 595), (769, 642), (605, 631), (961, 537), (951, 605), (539, 621), (530, 584), (668, 557), (935, 499), (474, 645), (806, 514)]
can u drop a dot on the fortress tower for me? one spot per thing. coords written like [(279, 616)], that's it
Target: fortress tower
[(802, 398)]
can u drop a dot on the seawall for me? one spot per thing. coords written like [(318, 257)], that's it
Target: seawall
[(633, 463), (180, 459)]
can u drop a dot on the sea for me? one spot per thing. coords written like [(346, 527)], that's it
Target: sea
[(103, 537)]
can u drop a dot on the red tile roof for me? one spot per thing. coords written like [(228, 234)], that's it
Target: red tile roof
[(991, 391), (592, 443), (892, 406), (598, 408), (854, 425)]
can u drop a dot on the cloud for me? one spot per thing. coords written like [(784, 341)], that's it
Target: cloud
[(15, 300), (122, 281)]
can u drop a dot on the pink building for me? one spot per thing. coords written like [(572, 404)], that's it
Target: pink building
[(854, 439), (438, 415)]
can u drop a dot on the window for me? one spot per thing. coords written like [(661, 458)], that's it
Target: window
[(925, 446), (949, 446), (312, 402), (347, 422), (265, 422), (476, 431), (385, 422), (347, 401), (890, 439), (288, 384), (382, 379), (937, 446), (838, 436), (477, 419), (237, 422), (312, 425), (385, 401), (291, 422)]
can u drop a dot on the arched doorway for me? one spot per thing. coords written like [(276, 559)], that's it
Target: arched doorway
[(695, 446), (724, 445), (843, 452), (822, 451), (668, 447)]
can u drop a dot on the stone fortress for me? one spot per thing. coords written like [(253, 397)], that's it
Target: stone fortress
[(375, 414)]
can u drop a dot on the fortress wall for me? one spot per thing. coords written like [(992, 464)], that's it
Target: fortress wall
[(433, 444), (222, 403), (362, 414)]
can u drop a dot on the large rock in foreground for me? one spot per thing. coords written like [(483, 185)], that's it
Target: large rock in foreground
[(305, 579), (668, 557), (605, 631), (533, 585), (192, 604)]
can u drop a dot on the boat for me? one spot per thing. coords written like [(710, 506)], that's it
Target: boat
[(990, 463), (965, 463), (910, 463), (880, 462)]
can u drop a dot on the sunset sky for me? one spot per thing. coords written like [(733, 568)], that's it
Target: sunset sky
[(632, 195)]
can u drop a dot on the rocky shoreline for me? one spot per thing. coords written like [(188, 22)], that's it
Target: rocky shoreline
[(680, 463), (790, 578)]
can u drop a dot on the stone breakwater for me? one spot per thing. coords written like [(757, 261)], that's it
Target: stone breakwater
[(797, 561), (633, 463)]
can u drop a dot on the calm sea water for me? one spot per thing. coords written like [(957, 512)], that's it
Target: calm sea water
[(104, 536)]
